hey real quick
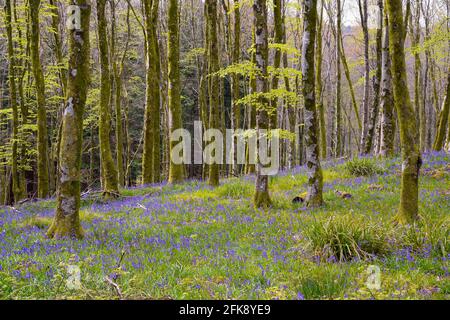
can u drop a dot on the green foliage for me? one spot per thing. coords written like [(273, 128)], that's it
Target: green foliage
[(363, 167)]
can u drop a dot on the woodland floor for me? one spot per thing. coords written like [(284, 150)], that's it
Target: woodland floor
[(193, 242)]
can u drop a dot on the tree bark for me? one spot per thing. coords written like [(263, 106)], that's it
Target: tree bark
[(363, 10), (387, 100), (319, 88), (151, 170), (67, 221), (213, 67), (315, 179), (261, 197), (408, 210), (109, 170), (42, 154), (443, 119), (176, 171), (337, 143), (374, 108), (16, 188)]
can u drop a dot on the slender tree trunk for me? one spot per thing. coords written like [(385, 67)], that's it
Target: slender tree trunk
[(67, 221), (338, 107), (315, 179), (261, 198), (374, 108), (235, 85), (443, 119), (42, 159), (213, 67), (151, 153), (109, 169), (118, 65), (278, 39), (408, 210), (176, 171), (251, 110), (363, 10), (17, 191), (387, 100), (319, 88), (419, 107)]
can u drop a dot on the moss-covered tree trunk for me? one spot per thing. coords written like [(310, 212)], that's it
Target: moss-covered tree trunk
[(319, 87), (176, 171), (16, 188), (337, 131), (278, 39), (315, 179), (151, 166), (62, 75), (376, 81), (42, 155), (109, 170), (387, 100), (443, 119), (408, 210), (118, 65), (364, 16), (415, 31), (261, 197), (67, 221), (251, 110), (236, 109), (213, 67)]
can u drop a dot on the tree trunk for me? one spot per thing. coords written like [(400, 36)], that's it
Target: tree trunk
[(387, 101), (319, 88), (261, 198), (151, 170), (338, 107), (109, 169), (213, 67), (408, 210), (364, 23), (176, 171), (236, 108), (315, 179), (443, 119), (16, 188), (42, 160), (374, 108), (67, 221), (278, 39), (419, 106)]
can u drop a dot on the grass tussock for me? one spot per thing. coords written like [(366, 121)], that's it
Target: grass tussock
[(346, 237), (363, 167)]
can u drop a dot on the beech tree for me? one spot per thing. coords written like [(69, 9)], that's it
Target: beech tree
[(315, 183), (42, 148), (176, 171), (261, 198), (214, 87), (66, 222), (151, 167), (108, 167), (408, 210)]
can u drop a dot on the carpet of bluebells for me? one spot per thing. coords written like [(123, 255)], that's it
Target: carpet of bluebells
[(191, 241)]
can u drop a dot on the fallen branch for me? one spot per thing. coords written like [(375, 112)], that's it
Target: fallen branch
[(115, 286)]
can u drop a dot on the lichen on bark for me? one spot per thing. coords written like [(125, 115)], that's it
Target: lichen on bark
[(315, 179), (66, 222)]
